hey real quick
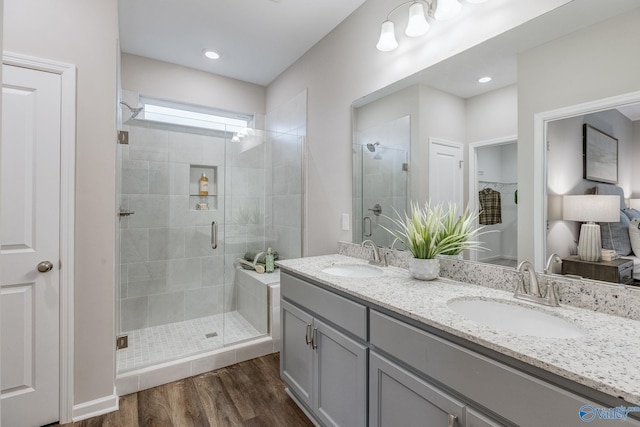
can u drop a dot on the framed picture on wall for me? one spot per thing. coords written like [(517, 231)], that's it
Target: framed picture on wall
[(600, 155)]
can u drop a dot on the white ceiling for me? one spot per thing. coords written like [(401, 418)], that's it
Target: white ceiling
[(258, 39)]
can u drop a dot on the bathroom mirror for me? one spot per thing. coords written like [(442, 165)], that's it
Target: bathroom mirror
[(446, 103)]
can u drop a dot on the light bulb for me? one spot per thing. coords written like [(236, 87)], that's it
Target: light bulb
[(447, 9), (418, 24), (387, 39)]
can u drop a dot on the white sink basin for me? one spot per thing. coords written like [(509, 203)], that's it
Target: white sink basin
[(354, 270), (515, 318)]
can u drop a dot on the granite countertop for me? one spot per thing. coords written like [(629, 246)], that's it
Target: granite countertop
[(606, 358)]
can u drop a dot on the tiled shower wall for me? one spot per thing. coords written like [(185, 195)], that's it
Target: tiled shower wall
[(169, 272)]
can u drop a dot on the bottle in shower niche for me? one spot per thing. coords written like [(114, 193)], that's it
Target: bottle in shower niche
[(269, 264), (203, 185)]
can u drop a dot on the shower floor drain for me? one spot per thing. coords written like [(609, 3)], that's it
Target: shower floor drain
[(211, 335)]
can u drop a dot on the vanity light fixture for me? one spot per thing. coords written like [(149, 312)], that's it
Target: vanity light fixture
[(418, 25), (486, 79), (211, 54)]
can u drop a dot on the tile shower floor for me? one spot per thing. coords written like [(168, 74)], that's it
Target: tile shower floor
[(163, 343)]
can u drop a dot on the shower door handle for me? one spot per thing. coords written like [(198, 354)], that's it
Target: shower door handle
[(214, 235), (366, 220)]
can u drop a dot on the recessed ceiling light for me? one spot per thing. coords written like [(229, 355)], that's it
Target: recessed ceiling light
[(484, 79), (211, 54)]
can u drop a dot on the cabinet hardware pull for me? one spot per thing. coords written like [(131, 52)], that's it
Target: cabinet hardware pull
[(306, 335), (314, 339), (452, 420)]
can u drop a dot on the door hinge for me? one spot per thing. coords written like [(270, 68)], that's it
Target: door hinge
[(122, 341), (548, 145), (123, 137), (460, 163)]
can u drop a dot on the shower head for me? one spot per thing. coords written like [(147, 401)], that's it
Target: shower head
[(134, 111), (372, 147)]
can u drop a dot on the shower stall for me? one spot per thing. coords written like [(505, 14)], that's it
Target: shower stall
[(182, 291)]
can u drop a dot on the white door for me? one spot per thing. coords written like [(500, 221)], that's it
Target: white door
[(445, 172), (29, 239)]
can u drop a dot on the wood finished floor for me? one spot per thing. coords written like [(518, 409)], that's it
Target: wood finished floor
[(246, 394)]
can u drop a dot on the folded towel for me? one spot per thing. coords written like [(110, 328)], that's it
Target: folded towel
[(251, 256)]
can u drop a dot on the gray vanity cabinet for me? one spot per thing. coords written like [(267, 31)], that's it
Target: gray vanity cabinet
[(324, 368), (415, 378)]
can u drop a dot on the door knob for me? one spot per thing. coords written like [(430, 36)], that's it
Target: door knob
[(45, 266)]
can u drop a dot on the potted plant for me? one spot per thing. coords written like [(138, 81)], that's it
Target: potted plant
[(434, 230)]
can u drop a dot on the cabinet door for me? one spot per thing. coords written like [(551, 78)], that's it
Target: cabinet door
[(340, 378), (296, 357), (399, 398)]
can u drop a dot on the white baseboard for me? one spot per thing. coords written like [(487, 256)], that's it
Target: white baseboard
[(93, 408)]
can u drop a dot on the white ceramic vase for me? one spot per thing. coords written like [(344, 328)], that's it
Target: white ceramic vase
[(424, 269)]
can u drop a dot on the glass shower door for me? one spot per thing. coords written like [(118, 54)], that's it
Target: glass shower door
[(384, 190), (171, 278)]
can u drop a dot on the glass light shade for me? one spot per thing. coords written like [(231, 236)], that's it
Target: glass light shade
[(418, 24), (387, 39), (591, 208), (447, 9)]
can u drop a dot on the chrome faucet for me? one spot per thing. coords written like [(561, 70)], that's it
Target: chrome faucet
[(375, 253), (554, 258), (533, 294)]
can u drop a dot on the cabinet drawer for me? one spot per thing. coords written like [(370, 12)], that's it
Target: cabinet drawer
[(493, 385), (347, 314)]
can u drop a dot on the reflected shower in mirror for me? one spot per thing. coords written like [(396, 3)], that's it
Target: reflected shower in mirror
[(381, 178)]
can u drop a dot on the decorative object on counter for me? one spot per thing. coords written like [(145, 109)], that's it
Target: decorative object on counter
[(269, 261), (590, 208), (259, 256), (203, 185), (259, 268), (431, 231)]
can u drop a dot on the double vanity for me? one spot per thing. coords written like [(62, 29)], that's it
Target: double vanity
[(367, 345)]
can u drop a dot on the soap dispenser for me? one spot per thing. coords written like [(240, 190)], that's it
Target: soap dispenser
[(269, 261)]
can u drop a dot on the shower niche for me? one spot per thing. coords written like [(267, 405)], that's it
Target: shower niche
[(197, 201)]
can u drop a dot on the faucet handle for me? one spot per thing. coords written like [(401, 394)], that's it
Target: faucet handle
[(552, 294)]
